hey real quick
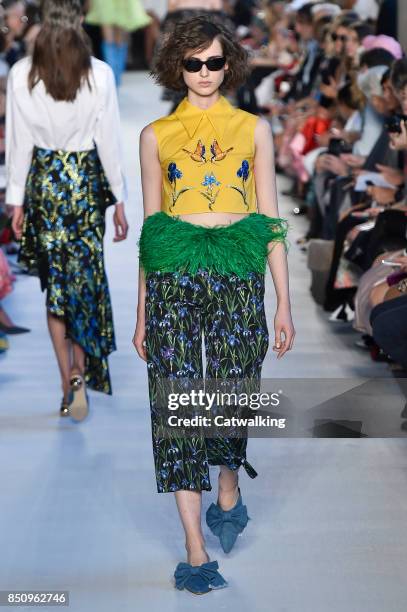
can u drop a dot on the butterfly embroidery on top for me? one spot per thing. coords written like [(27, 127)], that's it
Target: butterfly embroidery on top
[(210, 181), (199, 154), (217, 153)]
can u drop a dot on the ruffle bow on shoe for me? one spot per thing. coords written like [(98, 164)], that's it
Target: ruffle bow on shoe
[(199, 579), (227, 524)]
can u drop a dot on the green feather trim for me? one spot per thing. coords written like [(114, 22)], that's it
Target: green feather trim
[(169, 244)]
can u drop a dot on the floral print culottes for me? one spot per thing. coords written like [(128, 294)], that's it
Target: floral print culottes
[(227, 311)]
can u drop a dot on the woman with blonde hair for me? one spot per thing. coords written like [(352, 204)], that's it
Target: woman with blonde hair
[(63, 170)]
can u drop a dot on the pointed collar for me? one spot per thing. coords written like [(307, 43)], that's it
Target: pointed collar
[(218, 114)]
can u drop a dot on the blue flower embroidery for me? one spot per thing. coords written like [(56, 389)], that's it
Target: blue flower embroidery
[(210, 182), (210, 179), (243, 171), (174, 173)]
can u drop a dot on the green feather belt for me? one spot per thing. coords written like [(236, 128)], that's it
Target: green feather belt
[(169, 244)]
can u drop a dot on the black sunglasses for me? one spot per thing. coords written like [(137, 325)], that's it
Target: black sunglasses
[(193, 64), (336, 37)]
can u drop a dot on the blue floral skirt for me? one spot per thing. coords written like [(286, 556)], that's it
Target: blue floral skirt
[(66, 198)]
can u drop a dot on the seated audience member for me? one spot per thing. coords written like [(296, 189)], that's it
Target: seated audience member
[(389, 325), (304, 80)]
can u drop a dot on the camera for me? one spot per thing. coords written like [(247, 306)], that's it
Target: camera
[(393, 123), (338, 146)]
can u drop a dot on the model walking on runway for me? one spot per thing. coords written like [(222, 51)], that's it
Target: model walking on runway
[(63, 171), (178, 10), (117, 20), (203, 251)]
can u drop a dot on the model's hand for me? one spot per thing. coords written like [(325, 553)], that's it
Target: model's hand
[(139, 339), (283, 325), (120, 223), (17, 221)]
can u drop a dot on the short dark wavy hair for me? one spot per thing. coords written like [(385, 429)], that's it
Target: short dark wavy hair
[(197, 34)]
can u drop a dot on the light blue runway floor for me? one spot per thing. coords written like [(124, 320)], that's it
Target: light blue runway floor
[(79, 509)]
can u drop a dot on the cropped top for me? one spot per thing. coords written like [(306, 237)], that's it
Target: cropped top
[(207, 159)]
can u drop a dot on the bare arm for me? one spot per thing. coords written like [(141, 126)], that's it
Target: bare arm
[(151, 173), (266, 191), (151, 182)]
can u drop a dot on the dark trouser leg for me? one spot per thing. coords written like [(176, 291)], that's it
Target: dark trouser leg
[(314, 230), (338, 194), (174, 351), (331, 299), (236, 343)]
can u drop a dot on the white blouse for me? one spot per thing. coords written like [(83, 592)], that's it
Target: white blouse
[(35, 118)]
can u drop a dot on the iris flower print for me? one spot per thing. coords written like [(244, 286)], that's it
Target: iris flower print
[(174, 174), (210, 182), (168, 352), (243, 173)]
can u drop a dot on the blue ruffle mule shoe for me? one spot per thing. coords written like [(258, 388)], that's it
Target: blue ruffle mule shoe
[(199, 579), (227, 524)]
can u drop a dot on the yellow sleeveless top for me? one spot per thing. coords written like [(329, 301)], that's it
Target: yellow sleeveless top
[(207, 159)]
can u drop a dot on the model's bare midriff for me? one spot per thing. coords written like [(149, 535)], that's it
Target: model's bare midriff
[(212, 218)]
